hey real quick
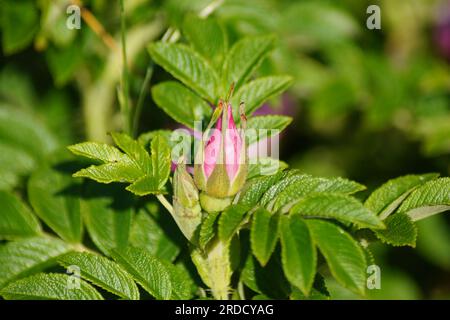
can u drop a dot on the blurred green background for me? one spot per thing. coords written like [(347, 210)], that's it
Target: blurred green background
[(369, 105)]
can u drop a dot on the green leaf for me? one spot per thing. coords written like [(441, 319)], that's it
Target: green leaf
[(258, 91), (384, 200), (102, 272), (230, 220), (207, 229), (98, 151), (24, 257), (147, 270), (150, 234), (16, 221), (287, 178), (431, 198), (180, 103), (298, 253), (137, 153), (161, 159), (308, 185), (319, 291), (264, 127), (255, 188), (20, 22), (400, 231), (106, 211), (264, 234), (111, 172), (244, 57), (268, 280), (49, 286), (187, 66), (16, 128), (337, 206), (207, 36), (343, 254), (54, 197), (264, 167)]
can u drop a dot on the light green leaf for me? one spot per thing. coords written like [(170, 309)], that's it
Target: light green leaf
[(125, 171), (230, 220), (150, 234), (148, 271), (264, 234), (255, 188), (180, 103), (244, 57), (98, 151), (20, 22), (207, 36), (265, 167), (287, 178), (106, 211), (258, 91), (207, 229), (161, 159), (54, 197), (137, 153), (400, 231), (16, 220), (264, 127), (337, 206), (298, 253), (187, 66), (144, 185), (102, 272), (24, 257), (343, 254), (384, 200), (49, 286), (431, 198), (308, 185)]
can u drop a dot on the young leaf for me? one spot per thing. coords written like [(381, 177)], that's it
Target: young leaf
[(207, 229), (244, 57), (161, 160), (308, 185), (256, 92), (343, 254), (230, 220), (51, 286), (254, 189), (264, 167), (138, 155), (98, 151), (180, 103), (106, 211), (150, 234), (24, 257), (337, 206), (124, 171), (400, 231), (102, 272), (298, 253), (431, 198), (16, 219), (207, 36), (263, 127), (148, 271), (54, 197), (187, 66), (384, 200), (264, 234)]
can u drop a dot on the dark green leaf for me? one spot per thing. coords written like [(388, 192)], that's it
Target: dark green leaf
[(230, 220), (264, 234)]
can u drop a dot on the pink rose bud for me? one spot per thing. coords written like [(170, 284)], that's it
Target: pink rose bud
[(221, 163)]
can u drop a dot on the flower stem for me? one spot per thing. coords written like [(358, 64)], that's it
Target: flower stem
[(165, 203), (124, 86), (140, 103)]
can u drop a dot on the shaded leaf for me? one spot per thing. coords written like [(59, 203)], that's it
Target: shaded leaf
[(264, 234), (400, 231), (230, 220)]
